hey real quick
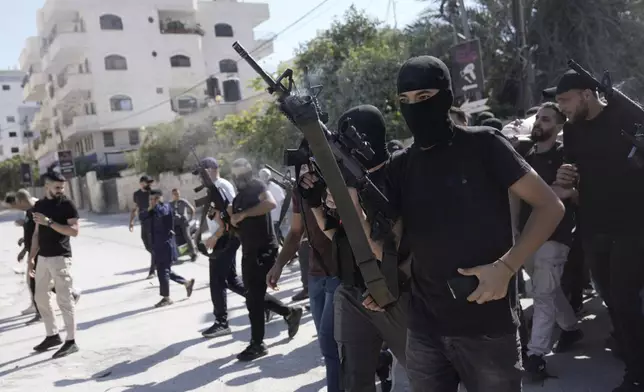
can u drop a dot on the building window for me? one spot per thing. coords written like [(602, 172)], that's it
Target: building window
[(223, 30), (232, 92), (14, 150), (11, 119), (159, 90), (180, 60), (115, 62), (121, 103), (187, 104), (89, 143), (111, 22), (108, 139), (228, 66), (134, 137), (6, 87), (13, 134)]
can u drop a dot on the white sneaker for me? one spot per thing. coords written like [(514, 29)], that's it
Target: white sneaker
[(30, 310)]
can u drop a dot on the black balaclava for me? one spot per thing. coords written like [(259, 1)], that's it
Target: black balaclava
[(242, 172), (428, 120), (369, 122)]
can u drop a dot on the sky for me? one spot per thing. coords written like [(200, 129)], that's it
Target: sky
[(21, 23)]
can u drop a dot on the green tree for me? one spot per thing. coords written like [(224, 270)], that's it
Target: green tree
[(10, 180)]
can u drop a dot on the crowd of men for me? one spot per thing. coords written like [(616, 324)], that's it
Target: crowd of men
[(474, 211)]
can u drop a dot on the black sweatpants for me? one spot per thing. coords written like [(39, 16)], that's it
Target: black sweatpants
[(255, 266), (146, 237), (617, 267)]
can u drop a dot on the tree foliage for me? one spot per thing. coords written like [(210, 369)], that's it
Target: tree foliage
[(10, 180)]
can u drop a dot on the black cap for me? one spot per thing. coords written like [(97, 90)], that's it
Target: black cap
[(146, 178), (156, 192), (571, 80), (209, 163)]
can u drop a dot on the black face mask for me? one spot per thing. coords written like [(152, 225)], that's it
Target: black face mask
[(369, 122), (427, 120), (147, 188)]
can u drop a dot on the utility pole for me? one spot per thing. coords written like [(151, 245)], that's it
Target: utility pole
[(466, 26), (526, 80)]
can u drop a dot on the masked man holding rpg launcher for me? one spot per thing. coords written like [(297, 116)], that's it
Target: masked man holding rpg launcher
[(450, 189)]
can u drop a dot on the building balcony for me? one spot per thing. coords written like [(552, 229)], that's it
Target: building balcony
[(263, 47), (80, 125), (76, 87), (34, 88), (30, 54), (66, 48), (256, 13), (41, 120), (169, 26)]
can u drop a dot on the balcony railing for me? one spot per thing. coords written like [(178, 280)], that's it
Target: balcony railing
[(178, 27)]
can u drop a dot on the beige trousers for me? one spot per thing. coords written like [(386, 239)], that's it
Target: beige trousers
[(57, 269)]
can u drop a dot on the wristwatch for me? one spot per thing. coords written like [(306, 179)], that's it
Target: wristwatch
[(49, 222)]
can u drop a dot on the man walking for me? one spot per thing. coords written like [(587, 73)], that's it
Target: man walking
[(142, 202), (57, 220), (180, 208)]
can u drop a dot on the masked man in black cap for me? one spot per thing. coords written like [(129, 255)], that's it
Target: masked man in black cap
[(250, 213), (360, 331), (451, 191), (164, 249), (141, 203), (610, 180)]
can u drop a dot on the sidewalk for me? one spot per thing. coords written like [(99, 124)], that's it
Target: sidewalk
[(127, 345)]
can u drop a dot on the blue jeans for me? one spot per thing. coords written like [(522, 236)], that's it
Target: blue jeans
[(321, 290)]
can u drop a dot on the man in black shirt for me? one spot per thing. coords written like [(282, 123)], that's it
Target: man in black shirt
[(57, 220), (611, 190), (142, 202), (545, 267), (451, 191), (359, 330), (250, 213)]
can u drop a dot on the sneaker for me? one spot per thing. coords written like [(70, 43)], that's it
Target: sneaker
[(630, 386), (307, 308), (30, 310), (252, 352), (152, 276), (189, 286), (216, 330), (35, 319), (193, 258), (76, 295), (69, 347), (293, 321), (49, 342), (301, 296), (164, 302), (567, 339), (384, 371), (535, 368)]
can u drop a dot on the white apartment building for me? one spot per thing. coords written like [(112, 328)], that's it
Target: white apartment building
[(103, 70), (14, 115)]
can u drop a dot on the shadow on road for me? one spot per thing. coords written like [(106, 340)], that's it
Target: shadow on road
[(110, 287)]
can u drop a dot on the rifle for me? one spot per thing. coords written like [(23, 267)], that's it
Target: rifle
[(333, 156), (214, 200), (632, 108)]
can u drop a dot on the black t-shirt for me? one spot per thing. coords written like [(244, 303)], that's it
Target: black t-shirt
[(142, 200), (51, 242), (28, 228), (454, 204), (611, 188), (546, 165), (255, 232)]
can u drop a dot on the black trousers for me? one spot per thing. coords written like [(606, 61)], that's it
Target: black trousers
[(223, 276), (576, 276), (146, 237), (617, 267), (481, 363), (255, 266)]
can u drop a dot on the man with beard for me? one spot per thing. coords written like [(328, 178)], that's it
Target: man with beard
[(545, 267), (141, 203), (359, 330), (451, 191), (57, 220), (611, 190), (250, 213)]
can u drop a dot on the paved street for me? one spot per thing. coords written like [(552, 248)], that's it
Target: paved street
[(127, 345)]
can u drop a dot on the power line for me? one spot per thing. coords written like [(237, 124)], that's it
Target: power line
[(259, 47)]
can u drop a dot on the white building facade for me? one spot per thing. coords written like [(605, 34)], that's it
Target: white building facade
[(103, 70), (15, 116)]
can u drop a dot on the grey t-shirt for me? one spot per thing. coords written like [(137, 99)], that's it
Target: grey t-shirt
[(181, 208)]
